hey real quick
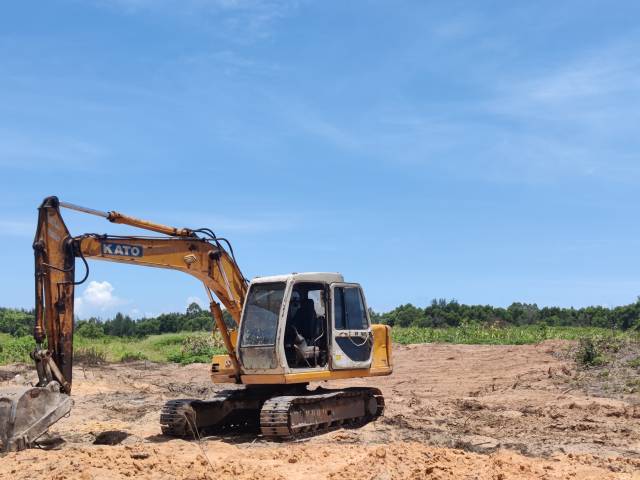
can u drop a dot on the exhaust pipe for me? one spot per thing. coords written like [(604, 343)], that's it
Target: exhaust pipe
[(27, 412)]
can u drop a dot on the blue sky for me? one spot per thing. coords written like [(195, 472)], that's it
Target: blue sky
[(483, 151)]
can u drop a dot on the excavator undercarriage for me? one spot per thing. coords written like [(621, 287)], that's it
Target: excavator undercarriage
[(277, 413)]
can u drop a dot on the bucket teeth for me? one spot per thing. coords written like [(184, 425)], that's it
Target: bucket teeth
[(27, 412)]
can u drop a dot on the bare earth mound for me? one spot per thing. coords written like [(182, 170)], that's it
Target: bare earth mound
[(453, 411)]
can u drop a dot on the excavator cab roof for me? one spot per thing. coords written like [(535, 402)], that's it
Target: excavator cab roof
[(321, 277)]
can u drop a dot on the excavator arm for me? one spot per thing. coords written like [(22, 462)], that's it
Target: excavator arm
[(196, 252)]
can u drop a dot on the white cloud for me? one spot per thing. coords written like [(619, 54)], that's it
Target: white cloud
[(133, 6), (25, 151), (229, 63), (197, 300), (222, 225), (249, 225), (575, 119), (136, 313), (611, 71), (16, 228), (239, 21), (457, 28), (98, 299)]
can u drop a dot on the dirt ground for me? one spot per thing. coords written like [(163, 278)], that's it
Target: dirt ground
[(453, 412)]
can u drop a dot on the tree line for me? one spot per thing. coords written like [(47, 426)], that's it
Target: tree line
[(440, 313), (19, 322), (450, 313)]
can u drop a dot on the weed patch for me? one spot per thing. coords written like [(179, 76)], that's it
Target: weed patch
[(132, 357), (607, 365), (89, 356), (588, 354), (16, 349), (198, 349), (473, 334)]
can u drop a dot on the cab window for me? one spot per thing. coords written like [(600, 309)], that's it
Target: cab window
[(260, 320), (349, 309)]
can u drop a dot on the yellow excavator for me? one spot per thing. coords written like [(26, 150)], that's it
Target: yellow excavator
[(289, 330)]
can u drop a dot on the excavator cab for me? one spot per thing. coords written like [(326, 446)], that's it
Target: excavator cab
[(304, 323), (292, 330)]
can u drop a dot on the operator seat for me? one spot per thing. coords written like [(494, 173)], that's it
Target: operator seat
[(305, 319), (304, 325)]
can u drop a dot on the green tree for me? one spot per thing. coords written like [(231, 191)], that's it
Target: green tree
[(404, 315), (91, 328), (193, 310)]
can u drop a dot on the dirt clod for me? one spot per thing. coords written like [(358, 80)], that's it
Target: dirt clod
[(110, 437)]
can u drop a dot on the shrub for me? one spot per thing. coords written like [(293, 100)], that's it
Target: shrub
[(198, 349), (16, 349), (201, 344), (132, 357), (588, 353), (17, 323), (90, 330), (167, 340), (89, 356), (635, 363)]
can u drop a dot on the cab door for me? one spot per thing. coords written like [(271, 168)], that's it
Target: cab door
[(351, 338)]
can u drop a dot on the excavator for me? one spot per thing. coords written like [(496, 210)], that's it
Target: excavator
[(288, 331)]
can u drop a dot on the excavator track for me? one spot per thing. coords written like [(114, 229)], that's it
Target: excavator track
[(278, 415), (174, 418), (290, 417), (229, 410)]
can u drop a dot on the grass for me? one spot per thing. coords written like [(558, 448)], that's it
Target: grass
[(183, 347), (190, 347), (481, 335), (89, 356), (15, 349), (634, 363), (607, 365), (590, 352)]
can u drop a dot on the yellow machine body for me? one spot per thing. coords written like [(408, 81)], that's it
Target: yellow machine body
[(222, 367), (288, 329)]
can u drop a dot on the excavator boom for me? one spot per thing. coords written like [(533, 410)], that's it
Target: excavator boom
[(27, 412)]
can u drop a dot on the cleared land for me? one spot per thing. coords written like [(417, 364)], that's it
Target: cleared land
[(454, 411)]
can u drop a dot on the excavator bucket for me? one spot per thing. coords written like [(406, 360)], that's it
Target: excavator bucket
[(27, 412)]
